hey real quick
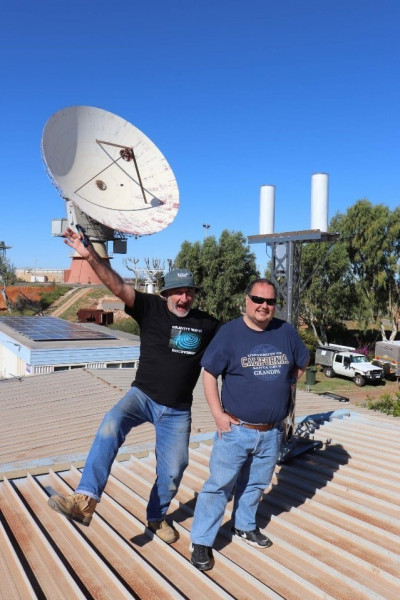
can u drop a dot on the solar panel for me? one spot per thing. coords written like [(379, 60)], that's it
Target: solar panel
[(46, 329)]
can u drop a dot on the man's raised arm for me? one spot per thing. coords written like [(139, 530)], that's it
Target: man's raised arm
[(101, 267)]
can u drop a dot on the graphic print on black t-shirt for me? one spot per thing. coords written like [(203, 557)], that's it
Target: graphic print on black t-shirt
[(266, 361), (185, 340)]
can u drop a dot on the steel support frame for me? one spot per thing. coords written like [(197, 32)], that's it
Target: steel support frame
[(285, 274)]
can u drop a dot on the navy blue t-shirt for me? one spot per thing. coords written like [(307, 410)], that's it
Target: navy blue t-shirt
[(255, 367)]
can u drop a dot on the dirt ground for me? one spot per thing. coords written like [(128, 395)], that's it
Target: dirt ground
[(30, 291), (359, 395)]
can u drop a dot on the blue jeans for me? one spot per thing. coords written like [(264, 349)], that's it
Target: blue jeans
[(172, 441), (242, 457)]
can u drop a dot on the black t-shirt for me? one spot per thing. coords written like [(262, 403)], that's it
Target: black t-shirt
[(171, 349)]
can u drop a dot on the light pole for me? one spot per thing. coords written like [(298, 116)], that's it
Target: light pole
[(206, 227)]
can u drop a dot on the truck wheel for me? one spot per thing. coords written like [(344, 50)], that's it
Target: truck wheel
[(359, 380), (329, 372)]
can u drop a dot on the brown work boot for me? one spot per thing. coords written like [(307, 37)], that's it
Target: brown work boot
[(168, 534), (75, 506)]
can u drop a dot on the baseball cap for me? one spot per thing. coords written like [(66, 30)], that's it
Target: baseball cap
[(178, 278)]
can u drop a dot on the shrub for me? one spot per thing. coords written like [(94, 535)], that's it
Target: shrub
[(388, 404)]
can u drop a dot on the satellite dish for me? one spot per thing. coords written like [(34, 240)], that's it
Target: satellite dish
[(110, 171)]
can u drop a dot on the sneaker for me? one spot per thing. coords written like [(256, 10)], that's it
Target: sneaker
[(255, 537), (164, 531), (75, 506), (202, 557)]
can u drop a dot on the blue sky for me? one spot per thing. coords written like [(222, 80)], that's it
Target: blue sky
[(235, 95)]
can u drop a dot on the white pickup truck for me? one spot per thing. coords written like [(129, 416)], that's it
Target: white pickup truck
[(345, 361)]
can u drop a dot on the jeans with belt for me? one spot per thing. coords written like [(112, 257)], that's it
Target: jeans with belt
[(242, 456), (172, 440)]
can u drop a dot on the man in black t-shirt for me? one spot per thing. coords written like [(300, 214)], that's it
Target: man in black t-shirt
[(173, 338)]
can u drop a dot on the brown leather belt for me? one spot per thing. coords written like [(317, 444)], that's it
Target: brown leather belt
[(257, 426)]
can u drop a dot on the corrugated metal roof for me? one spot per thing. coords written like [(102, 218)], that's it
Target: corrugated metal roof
[(333, 514)]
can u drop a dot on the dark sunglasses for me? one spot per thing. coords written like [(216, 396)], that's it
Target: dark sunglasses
[(260, 300)]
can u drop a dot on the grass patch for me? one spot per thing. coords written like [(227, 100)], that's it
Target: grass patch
[(86, 301), (70, 314), (387, 402), (127, 325), (338, 385), (48, 298)]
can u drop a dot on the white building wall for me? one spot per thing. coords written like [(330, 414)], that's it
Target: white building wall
[(10, 364), (40, 275)]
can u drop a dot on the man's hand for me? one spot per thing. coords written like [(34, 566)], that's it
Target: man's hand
[(223, 422), (101, 267), (74, 240)]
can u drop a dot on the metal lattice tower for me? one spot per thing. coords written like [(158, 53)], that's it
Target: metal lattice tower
[(286, 266), (3, 249)]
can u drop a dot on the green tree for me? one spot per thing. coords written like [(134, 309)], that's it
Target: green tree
[(329, 292), (358, 278), (371, 235), (7, 277), (222, 269)]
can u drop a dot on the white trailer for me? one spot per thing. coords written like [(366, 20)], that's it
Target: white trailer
[(387, 356)]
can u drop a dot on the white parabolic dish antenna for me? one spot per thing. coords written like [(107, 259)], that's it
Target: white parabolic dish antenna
[(110, 170)]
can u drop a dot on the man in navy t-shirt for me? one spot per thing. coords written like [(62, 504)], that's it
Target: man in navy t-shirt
[(259, 358)]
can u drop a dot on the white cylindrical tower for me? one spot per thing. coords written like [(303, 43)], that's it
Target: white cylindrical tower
[(319, 201), (267, 209)]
